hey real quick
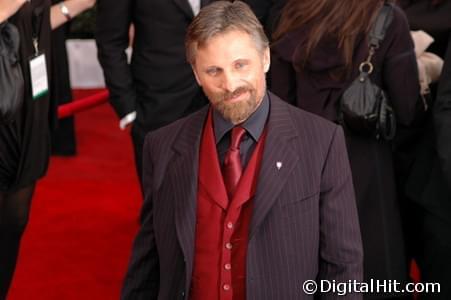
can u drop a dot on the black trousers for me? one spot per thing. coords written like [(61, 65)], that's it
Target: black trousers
[(138, 135), (433, 253)]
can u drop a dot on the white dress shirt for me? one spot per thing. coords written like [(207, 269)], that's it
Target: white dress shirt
[(195, 5)]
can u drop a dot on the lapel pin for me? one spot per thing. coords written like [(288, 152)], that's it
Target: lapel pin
[(279, 165)]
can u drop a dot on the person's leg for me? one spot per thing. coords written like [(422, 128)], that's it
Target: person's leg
[(434, 259), (14, 211), (138, 136)]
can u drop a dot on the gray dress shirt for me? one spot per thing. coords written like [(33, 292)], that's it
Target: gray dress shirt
[(254, 126)]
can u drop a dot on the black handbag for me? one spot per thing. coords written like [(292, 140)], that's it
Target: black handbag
[(11, 78), (364, 107)]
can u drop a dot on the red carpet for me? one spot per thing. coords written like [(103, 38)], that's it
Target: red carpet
[(83, 219)]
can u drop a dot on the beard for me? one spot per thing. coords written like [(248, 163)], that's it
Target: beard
[(236, 112)]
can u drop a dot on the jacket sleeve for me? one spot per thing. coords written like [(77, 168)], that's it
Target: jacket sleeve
[(142, 278), (341, 254), (267, 12), (442, 118), (112, 37), (274, 16), (282, 78), (260, 8), (400, 70)]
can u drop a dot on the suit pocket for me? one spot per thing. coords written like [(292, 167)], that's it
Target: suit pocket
[(296, 200), (298, 207)]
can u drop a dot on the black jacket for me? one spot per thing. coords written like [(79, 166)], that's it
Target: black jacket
[(429, 184), (158, 83)]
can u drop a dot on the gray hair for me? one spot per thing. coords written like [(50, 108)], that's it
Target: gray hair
[(219, 18)]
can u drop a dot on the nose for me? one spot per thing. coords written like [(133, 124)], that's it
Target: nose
[(230, 81)]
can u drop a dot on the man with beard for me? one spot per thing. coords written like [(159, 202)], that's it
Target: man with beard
[(157, 87), (249, 197)]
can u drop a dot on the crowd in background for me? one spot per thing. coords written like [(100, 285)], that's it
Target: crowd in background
[(25, 137)]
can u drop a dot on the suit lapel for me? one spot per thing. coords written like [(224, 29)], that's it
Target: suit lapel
[(185, 6), (279, 160), (182, 176)]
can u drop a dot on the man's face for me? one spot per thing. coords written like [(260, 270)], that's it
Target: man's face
[(231, 70)]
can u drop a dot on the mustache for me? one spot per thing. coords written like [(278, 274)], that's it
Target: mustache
[(238, 91)]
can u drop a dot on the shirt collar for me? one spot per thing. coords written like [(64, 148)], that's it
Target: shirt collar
[(254, 125), (195, 5)]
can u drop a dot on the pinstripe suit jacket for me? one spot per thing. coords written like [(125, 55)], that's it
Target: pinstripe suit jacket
[(304, 224)]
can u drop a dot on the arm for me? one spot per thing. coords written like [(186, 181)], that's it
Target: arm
[(267, 12), (9, 8), (260, 9), (400, 70), (75, 7), (442, 118), (142, 279), (341, 254), (112, 37), (274, 16), (283, 79)]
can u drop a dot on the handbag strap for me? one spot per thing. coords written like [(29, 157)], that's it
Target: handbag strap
[(377, 35), (379, 28)]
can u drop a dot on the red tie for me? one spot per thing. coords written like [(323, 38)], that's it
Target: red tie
[(232, 169)]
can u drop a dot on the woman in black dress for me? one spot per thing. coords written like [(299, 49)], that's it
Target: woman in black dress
[(25, 142), (317, 50)]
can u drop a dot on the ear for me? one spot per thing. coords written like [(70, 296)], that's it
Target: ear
[(193, 67), (266, 59)]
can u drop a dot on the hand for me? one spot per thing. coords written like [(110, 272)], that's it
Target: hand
[(88, 3), (9, 8), (75, 7)]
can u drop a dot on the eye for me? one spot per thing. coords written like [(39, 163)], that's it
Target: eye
[(240, 65), (212, 71)]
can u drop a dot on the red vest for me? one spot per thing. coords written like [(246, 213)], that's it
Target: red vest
[(222, 230)]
